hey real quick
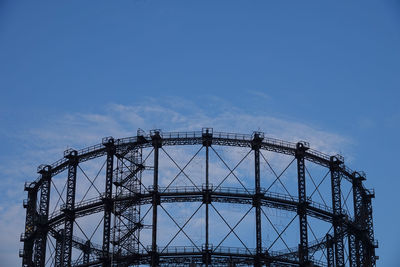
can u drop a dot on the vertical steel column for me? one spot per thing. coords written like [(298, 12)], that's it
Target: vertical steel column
[(108, 203), (255, 145), (337, 210), (352, 248), (329, 251), (207, 241), (301, 148), (28, 235), (72, 157), (157, 143), (207, 141), (41, 240), (369, 242), (58, 254), (357, 249)]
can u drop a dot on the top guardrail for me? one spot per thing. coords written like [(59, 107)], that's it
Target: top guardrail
[(318, 154), (196, 134)]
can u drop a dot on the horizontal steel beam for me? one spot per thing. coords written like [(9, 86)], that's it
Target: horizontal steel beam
[(191, 194)]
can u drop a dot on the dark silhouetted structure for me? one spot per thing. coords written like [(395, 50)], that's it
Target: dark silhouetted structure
[(126, 199)]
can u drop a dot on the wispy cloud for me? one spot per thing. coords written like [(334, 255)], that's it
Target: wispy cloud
[(77, 130), (260, 94)]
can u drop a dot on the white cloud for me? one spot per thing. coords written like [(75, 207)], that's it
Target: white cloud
[(260, 94)]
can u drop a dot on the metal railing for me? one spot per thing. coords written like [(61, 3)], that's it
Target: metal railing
[(195, 190)]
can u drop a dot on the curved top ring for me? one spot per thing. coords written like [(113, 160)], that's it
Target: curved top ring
[(200, 138)]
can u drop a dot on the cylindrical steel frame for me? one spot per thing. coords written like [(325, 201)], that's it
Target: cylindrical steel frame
[(358, 228)]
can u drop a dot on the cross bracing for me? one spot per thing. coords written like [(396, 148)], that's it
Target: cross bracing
[(138, 198)]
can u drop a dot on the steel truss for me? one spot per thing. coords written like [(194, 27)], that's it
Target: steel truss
[(123, 218)]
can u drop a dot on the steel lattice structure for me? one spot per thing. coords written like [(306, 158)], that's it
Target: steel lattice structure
[(131, 230)]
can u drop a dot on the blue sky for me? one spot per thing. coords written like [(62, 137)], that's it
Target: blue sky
[(73, 72)]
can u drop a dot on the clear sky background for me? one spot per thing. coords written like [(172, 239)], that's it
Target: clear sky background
[(72, 72)]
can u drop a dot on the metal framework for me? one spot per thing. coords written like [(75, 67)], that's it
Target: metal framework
[(128, 201)]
